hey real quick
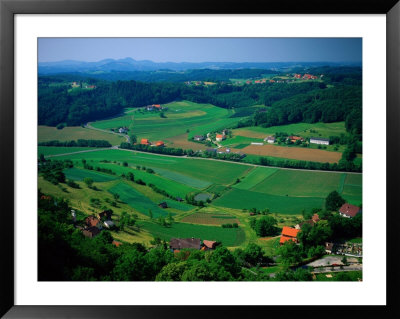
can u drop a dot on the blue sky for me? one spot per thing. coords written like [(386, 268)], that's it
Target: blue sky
[(202, 49)]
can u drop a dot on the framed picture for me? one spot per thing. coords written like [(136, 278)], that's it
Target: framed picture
[(36, 35)]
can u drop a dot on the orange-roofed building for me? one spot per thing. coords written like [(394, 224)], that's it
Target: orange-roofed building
[(315, 218), (219, 137), (144, 141), (288, 233), (116, 243), (160, 143), (157, 105), (209, 244)]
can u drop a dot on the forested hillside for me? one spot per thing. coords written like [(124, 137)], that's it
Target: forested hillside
[(337, 97)]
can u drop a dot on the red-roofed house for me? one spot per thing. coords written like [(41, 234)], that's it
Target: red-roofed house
[(293, 138), (288, 233), (144, 141), (315, 218), (219, 137), (158, 106), (92, 221), (160, 143), (209, 244), (349, 211)]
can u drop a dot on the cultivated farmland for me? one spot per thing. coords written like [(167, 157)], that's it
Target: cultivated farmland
[(47, 133), (210, 219)]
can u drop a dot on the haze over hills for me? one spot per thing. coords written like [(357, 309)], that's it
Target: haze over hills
[(129, 64)]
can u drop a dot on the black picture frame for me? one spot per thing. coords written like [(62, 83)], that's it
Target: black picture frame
[(8, 8)]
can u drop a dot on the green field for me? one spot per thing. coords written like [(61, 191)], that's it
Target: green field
[(228, 236), (171, 187), (52, 150), (303, 129), (240, 140), (244, 199), (47, 133), (256, 175), (299, 183), (78, 174), (180, 116), (188, 170), (137, 200)]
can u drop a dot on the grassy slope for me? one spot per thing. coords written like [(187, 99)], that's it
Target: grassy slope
[(47, 133), (228, 236)]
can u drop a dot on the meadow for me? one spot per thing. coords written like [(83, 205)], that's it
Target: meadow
[(210, 219), (228, 236), (77, 174), (55, 150), (180, 118), (137, 200), (47, 133)]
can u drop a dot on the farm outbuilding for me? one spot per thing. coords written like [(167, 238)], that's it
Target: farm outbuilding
[(349, 211), (319, 140), (181, 243)]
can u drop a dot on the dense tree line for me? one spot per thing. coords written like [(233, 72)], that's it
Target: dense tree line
[(310, 101), (78, 143)]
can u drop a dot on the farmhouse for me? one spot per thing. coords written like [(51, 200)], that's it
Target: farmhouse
[(270, 139), (349, 211), (220, 137), (123, 130), (294, 139), (288, 233), (149, 108), (319, 140), (160, 143), (198, 137), (208, 244), (91, 232), (181, 243), (145, 141), (92, 221), (297, 76), (163, 205)]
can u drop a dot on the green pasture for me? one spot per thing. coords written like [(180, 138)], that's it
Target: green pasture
[(255, 176), (137, 200), (48, 133), (296, 183), (240, 199), (303, 129), (180, 117), (170, 186), (240, 140), (228, 236), (78, 174), (54, 150)]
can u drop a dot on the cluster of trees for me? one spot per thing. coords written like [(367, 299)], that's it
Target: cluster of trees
[(264, 226), (52, 170), (65, 254), (79, 143)]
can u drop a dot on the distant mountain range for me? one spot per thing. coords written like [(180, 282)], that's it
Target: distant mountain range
[(129, 64)]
